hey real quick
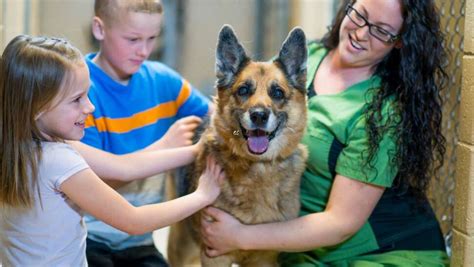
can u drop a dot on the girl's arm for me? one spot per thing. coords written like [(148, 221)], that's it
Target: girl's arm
[(350, 204), (92, 195), (137, 165)]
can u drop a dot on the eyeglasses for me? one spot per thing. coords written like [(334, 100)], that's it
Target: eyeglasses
[(374, 30)]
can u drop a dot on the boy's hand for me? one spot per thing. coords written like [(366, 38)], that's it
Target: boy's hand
[(178, 135), (210, 180)]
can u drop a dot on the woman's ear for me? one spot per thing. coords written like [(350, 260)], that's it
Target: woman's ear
[(98, 28), (398, 44)]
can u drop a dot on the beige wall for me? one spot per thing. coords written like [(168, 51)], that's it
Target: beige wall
[(13, 22), (204, 18), (1, 25), (313, 16), (69, 19), (463, 229)]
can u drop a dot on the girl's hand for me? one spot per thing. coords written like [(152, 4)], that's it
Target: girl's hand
[(178, 135), (220, 231), (210, 180)]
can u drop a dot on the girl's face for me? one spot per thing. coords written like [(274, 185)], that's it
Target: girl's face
[(358, 47), (65, 117)]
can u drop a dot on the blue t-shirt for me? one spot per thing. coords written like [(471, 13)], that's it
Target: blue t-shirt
[(130, 117)]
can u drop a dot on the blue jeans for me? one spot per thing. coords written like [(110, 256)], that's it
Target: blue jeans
[(99, 255)]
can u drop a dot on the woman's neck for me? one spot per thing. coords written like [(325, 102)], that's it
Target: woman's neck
[(333, 76), (336, 66)]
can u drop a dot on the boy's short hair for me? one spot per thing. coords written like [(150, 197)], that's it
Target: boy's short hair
[(110, 10)]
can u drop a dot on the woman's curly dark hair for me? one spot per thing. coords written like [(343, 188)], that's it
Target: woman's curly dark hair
[(412, 77)]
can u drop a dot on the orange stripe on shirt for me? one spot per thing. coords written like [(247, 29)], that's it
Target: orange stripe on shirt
[(90, 121), (144, 118), (141, 119), (184, 93)]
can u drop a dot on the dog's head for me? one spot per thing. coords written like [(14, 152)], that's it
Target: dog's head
[(261, 106)]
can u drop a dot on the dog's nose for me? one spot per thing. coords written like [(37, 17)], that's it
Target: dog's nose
[(260, 117)]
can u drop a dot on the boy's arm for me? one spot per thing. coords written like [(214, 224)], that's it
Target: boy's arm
[(179, 134), (138, 165)]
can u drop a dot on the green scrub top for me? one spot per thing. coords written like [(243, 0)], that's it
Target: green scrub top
[(336, 138), (337, 142)]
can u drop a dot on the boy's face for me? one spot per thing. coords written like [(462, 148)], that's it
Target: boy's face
[(127, 42)]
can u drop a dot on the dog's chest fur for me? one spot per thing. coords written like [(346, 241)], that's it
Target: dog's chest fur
[(253, 195), (257, 191)]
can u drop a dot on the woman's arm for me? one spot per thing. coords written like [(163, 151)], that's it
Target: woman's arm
[(92, 195), (136, 165), (350, 204)]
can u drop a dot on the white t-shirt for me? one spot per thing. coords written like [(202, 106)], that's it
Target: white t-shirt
[(52, 232)]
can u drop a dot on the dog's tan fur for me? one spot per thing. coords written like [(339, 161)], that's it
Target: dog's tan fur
[(258, 188)]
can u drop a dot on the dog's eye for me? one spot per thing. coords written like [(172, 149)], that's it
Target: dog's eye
[(243, 90), (277, 93)]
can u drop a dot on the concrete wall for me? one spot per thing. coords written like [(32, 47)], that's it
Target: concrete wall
[(313, 16), (12, 22), (69, 19), (463, 230), (203, 19), (2, 9)]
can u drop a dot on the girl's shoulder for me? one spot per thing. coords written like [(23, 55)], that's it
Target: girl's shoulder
[(58, 156), (57, 147), (58, 162)]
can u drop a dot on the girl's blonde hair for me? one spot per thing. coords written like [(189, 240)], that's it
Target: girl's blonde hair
[(32, 72)]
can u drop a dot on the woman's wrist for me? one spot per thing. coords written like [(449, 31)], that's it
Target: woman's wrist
[(245, 242)]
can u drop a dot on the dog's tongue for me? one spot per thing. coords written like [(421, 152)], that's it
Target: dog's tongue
[(257, 142)]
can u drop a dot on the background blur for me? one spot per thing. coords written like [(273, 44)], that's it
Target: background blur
[(189, 35)]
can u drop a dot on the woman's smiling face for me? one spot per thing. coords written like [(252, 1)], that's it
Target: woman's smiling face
[(357, 46)]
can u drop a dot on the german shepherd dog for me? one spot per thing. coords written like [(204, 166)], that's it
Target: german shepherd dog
[(254, 134)]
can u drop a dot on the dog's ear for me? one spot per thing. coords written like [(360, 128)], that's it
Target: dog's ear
[(292, 58), (230, 57)]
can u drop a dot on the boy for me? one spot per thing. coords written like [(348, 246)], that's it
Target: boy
[(136, 102)]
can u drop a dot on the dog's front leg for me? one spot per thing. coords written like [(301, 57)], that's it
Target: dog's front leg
[(260, 259), (221, 261)]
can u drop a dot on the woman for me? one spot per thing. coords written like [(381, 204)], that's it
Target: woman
[(374, 136)]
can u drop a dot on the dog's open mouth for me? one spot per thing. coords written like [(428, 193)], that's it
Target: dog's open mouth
[(258, 140)]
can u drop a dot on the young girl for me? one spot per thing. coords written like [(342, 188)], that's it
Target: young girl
[(45, 185)]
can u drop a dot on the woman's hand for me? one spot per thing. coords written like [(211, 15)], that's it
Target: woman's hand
[(210, 180), (178, 135), (220, 231)]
